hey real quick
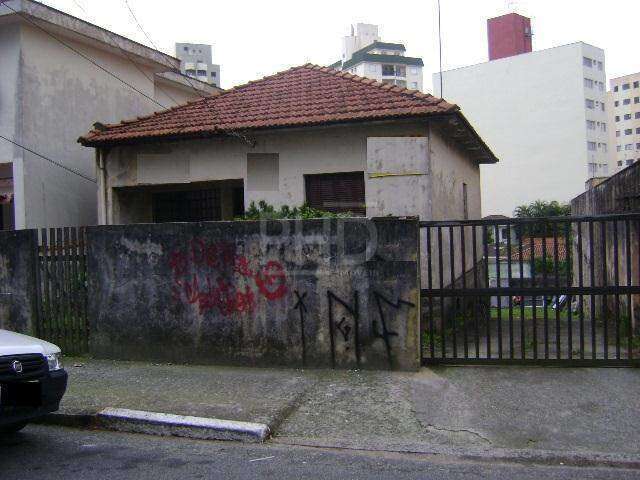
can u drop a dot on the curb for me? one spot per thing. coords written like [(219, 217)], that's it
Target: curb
[(163, 424)]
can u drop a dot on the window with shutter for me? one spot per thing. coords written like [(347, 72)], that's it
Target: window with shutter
[(336, 192)]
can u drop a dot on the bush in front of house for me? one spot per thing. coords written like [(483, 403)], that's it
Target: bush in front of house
[(264, 211)]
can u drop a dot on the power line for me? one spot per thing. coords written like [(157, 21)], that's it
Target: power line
[(87, 58), (124, 52), (153, 44), (58, 164)]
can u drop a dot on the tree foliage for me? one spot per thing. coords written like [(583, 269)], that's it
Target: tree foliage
[(542, 209)]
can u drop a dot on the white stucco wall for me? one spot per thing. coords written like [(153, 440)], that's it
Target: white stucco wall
[(530, 109), (63, 95), (11, 107)]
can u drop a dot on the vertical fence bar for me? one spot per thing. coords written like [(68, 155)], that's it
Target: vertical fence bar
[(616, 280), (534, 313), (556, 272), (485, 243), (463, 259), (44, 279), (474, 239), (68, 319), (441, 280), (55, 280), (629, 254), (605, 320), (509, 285), (82, 234), (499, 285), (592, 279), (75, 292), (581, 285), (544, 298), (432, 348), (454, 300), (568, 245), (523, 337)]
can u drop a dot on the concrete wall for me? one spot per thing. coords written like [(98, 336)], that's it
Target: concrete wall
[(18, 304), (530, 109), (618, 194), (341, 293)]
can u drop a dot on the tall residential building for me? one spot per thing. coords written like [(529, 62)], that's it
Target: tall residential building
[(196, 61), (509, 35), (364, 54), (624, 117), (544, 115)]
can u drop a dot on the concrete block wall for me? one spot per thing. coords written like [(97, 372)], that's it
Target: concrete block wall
[(341, 293), (18, 281)]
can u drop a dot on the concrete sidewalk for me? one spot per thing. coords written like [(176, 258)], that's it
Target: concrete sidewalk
[(577, 415)]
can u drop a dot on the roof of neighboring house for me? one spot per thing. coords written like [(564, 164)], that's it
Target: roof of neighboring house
[(538, 249), (59, 24), (308, 95)]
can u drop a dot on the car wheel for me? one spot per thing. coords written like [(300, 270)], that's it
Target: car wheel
[(13, 428)]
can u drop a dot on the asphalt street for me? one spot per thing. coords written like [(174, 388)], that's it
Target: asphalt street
[(62, 453)]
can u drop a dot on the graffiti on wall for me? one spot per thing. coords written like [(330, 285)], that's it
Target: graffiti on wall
[(213, 276)]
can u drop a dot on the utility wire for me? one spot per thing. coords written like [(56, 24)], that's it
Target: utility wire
[(86, 57), (124, 52), (58, 164)]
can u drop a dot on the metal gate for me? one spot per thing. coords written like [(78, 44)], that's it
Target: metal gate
[(550, 291), (63, 289)]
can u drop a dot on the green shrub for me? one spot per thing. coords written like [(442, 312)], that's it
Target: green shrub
[(264, 211)]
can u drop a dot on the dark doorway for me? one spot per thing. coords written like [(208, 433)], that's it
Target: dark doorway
[(187, 206)]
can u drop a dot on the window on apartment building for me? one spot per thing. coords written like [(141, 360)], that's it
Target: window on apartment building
[(619, 148), (214, 74), (591, 125), (637, 146), (587, 62), (628, 147), (603, 147), (617, 133), (186, 49), (588, 83), (637, 115), (627, 116), (388, 70), (336, 192), (617, 118), (372, 68), (626, 86), (190, 72), (601, 86), (616, 88), (414, 70), (636, 84), (636, 99), (465, 202), (628, 131), (638, 131), (616, 103), (591, 146), (401, 71), (603, 126), (630, 162), (589, 103), (626, 101), (414, 85), (202, 73), (602, 106), (600, 66), (619, 163)]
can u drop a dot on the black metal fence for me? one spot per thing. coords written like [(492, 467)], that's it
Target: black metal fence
[(562, 290), (63, 289)]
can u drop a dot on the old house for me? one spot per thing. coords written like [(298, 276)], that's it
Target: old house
[(58, 74), (310, 134)]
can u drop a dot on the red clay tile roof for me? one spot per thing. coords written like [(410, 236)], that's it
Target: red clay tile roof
[(537, 249), (302, 96)]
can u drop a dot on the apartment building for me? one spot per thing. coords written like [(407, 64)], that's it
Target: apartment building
[(544, 113), (196, 61), (624, 117), (366, 55)]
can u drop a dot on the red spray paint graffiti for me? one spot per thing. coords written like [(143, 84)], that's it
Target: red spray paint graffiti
[(213, 276)]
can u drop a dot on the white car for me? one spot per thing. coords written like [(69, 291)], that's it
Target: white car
[(32, 380)]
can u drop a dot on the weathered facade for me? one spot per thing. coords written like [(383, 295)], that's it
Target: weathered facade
[(618, 194), (51, 90)]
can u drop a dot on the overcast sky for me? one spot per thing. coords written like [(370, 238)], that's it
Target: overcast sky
[(254, 38)]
